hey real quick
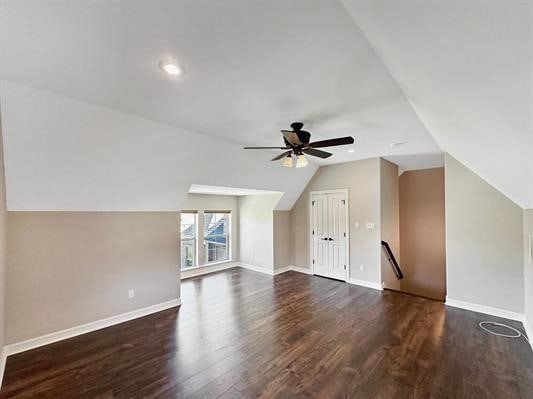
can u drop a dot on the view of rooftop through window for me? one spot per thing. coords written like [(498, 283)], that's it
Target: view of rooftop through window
[(216, 236)]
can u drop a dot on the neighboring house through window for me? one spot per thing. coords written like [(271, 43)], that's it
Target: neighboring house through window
[(188, 239), (216, 235)]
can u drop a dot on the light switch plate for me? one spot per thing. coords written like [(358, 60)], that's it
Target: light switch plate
[(369, 225)]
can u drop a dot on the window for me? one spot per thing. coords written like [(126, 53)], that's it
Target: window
[(216, 236), (188, 239)]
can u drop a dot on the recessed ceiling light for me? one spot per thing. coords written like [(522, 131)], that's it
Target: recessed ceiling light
[(170, 68), (351, 150)]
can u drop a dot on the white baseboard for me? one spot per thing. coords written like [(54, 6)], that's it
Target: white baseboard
[(282, 270), (257, 268), (198, 271), (275, 271), (3, 358), (368, 284), (86, 328), (507, 314), (304, 270)]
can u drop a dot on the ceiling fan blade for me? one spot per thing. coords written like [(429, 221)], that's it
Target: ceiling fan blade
[(317, 153), (265, 148), (291, 137), (332, 142), (283, 154)]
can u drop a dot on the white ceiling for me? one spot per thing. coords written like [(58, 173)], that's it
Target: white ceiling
[(251, 68), (467, 69), (382, 71), (67, 155)]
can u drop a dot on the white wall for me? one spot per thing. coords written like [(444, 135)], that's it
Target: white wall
[(256, 231), (202, 202), (63, 154), (484, 236), (362, 178)]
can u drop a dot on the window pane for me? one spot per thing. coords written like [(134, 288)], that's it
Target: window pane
[(221, 252), (188, 240), (216, 236), (188, 225), (187, 253), (216, 223)]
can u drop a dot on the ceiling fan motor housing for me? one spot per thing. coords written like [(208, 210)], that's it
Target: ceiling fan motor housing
[(303, 136), (296, 126)]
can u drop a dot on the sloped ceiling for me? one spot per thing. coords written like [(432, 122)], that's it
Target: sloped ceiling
[(467, 69), (251, 68), (67, 155)]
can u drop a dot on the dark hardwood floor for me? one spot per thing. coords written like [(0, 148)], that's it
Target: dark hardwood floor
[(241, 334)]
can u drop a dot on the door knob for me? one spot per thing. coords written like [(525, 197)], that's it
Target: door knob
[(325, 239), (330, 239)]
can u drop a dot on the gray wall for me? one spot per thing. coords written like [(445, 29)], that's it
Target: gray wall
[(3, 249), (282, 239), (70, 268), (256, 229), (528, 266), (362, 178), (423, 233), (202, 202), (389, 220), (484, 241)]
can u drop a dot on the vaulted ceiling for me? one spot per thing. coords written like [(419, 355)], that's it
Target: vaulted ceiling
[(385, 72), (467, 69)]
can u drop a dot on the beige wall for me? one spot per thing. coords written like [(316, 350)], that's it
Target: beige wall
[(256, 229), (362, 178), (389, 220), (282, 244), (528, 267), (484, 241), (3, 234), (202, 202), (422, 232), (71, 268)]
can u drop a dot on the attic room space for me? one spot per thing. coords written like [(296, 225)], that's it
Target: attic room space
[(266, 199)]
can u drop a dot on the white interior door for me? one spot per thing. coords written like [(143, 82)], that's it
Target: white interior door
[(329, 234), (337, 235), (320, 234)]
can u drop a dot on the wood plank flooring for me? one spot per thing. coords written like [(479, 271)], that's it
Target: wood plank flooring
[(241, 334)]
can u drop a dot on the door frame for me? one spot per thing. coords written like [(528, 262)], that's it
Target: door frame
[(345, 191)]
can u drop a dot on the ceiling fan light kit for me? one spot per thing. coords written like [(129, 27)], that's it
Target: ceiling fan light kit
[(297, 144), (301, 162), (287, 161)]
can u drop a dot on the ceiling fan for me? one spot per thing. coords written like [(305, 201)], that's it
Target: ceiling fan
[(297, 144)]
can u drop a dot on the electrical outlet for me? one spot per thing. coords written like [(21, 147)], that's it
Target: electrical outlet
[(131, 293), (362, 268)]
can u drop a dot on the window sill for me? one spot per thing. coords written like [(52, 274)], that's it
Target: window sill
[(206, 265)]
